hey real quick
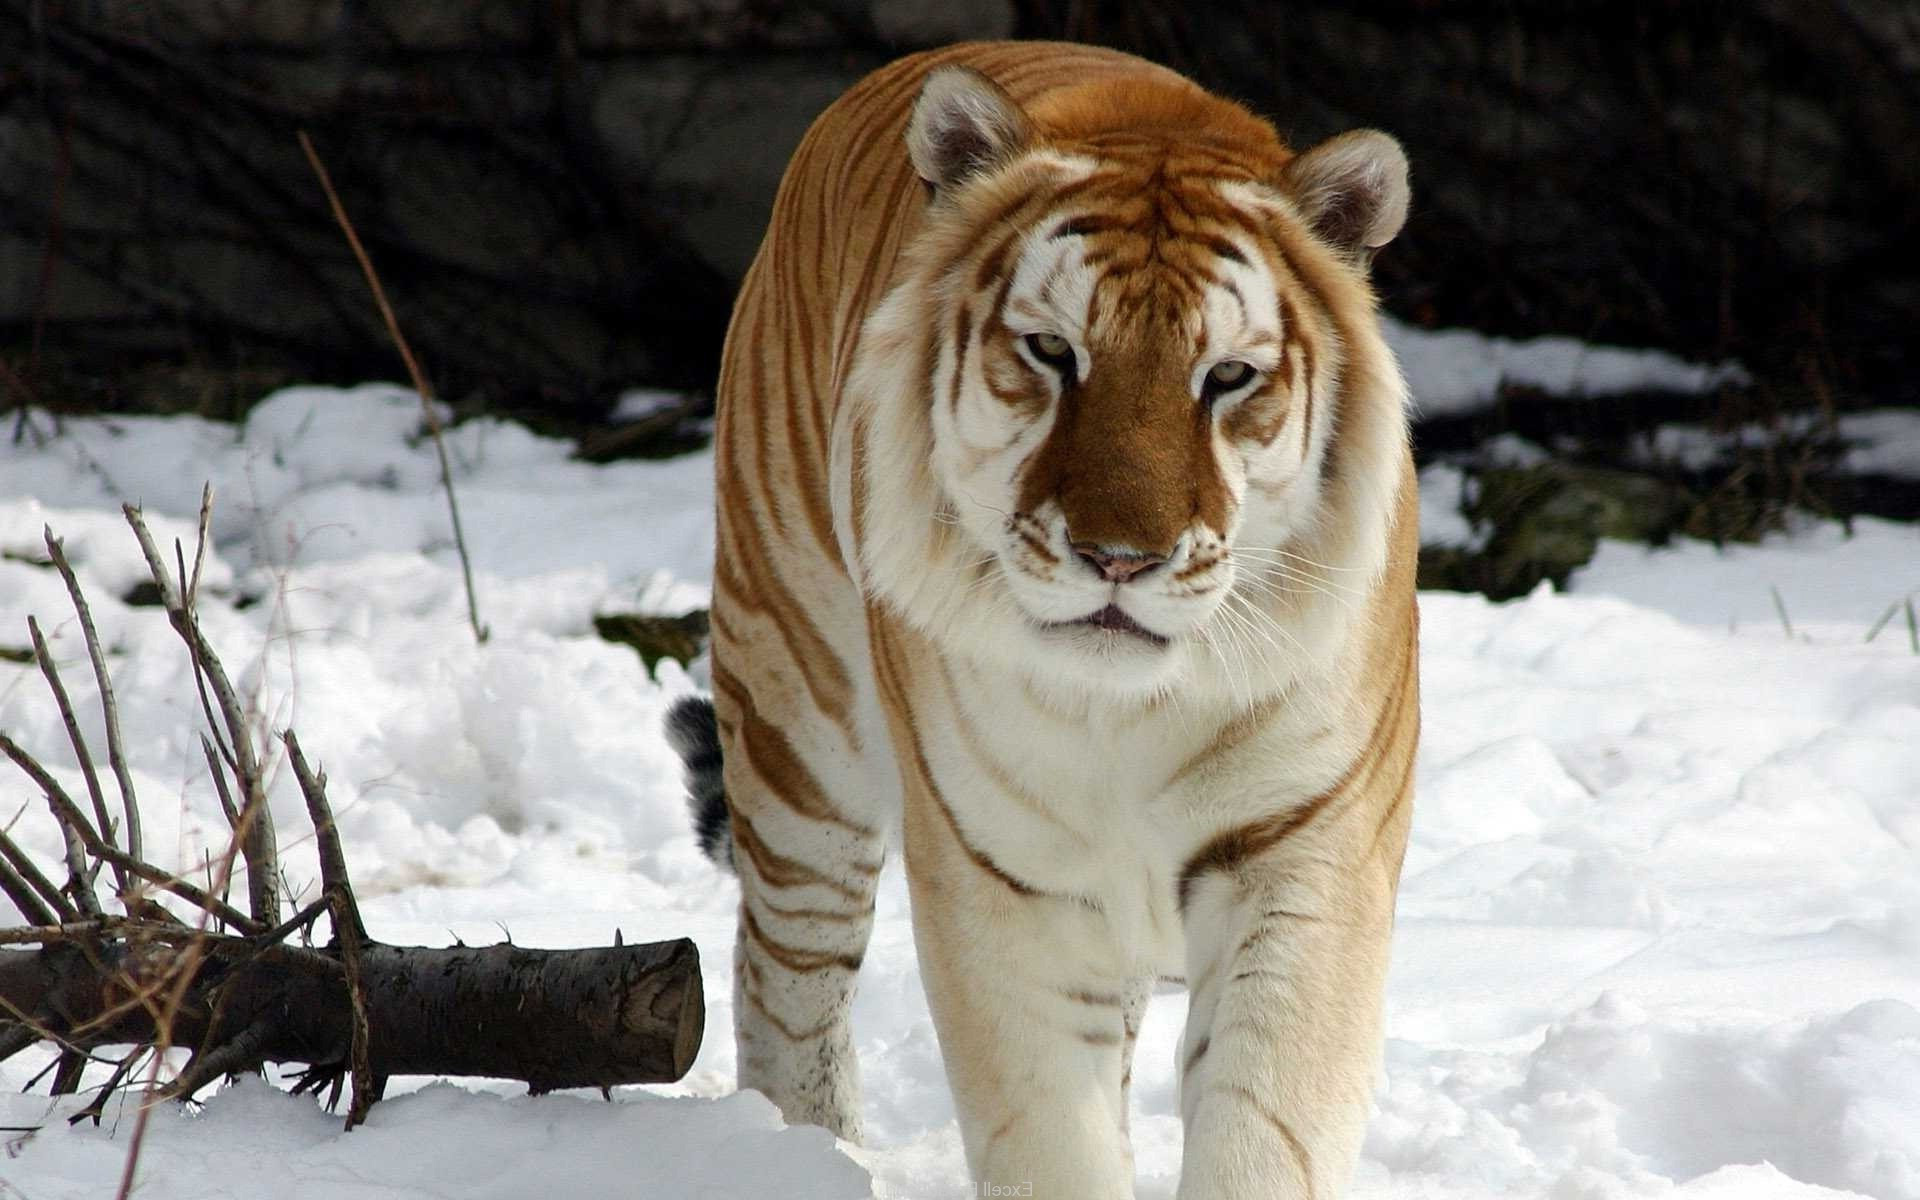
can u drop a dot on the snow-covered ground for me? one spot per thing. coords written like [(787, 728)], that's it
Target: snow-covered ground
[(1879, 441), (1461, 370), (1659, 932)]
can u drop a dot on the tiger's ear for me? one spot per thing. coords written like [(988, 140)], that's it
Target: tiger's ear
[(1352, 189), (963, 124)]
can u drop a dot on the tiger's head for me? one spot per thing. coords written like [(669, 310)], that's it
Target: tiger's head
[(1127, 421)]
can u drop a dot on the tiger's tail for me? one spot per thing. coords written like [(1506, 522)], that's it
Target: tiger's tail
[(694, 734)]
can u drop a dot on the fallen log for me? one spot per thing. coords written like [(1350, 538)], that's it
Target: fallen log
[(594, 1017), (240, 989)]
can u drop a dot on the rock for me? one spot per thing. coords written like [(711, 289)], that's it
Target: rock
[(709, 141), (653, 637), (1544, 521)]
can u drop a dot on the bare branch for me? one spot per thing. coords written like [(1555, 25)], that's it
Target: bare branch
[(116, 756), (49, 932), (238, 1053), (66, 1079), (13, 1041), (52, 672), (31, 892), (104, 1091), (220, 784), (36, 1025), (305, 916), (198, 897), (256, 835), (348, 928), (333, 861), (74, 829), (413, 369), (200, 543), (81, 835), (82, 979)]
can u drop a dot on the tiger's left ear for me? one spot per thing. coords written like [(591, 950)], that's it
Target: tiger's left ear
[(1352, 189), (963, 124)]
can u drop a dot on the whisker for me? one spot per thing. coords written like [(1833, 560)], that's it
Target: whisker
[(1285, 553), (1325, 587), (1298, 566), (1248, 582), (1254, 614), (1239, 629)]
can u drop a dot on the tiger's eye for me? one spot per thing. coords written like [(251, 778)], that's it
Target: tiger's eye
[(1229, 374), (1050, 346)]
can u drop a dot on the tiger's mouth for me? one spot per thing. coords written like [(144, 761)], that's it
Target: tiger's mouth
[(1112, 620)]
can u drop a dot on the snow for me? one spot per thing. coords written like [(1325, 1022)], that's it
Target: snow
[(1659, 929), (1456, 371), (1879, 441), (1822, 575), (1443, 493), (1882, 441), (639, 404), (252, 1140)]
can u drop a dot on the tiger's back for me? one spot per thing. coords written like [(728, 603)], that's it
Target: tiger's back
[(1065, 521)]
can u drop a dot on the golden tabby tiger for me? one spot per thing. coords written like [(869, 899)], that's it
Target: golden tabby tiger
[(1066, 519)]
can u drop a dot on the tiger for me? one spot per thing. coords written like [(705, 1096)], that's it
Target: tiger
[(1066, 527)]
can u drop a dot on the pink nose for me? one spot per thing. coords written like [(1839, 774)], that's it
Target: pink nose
[(1117, 568)]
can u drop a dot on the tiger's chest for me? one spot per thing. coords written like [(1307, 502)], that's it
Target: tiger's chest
[(1102, 807)]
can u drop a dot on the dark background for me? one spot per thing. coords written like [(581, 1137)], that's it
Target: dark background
[(562, 194)]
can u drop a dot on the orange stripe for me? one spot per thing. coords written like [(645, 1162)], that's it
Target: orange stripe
[(743, 579), (777, 870), (787, 1031), (1228, 849), (772, 757), (794, 958), (1294, 1146), (893, 691)]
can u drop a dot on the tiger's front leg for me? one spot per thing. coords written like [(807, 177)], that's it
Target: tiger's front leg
[(807, 841), (1035, 1028), (1286, 963), (805, 915)]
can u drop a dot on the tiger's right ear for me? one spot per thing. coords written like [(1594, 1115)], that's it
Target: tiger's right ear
[(963, 124)]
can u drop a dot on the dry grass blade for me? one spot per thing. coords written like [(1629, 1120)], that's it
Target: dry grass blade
[(1873, 631), (110, 712), (1780, 608), (413, 370), (185, 968)]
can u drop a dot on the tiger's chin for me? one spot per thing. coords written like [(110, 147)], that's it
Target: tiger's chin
[(1107, 653), (1112, 627)]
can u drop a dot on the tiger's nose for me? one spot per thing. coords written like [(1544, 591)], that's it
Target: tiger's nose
[(1114, 564)]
